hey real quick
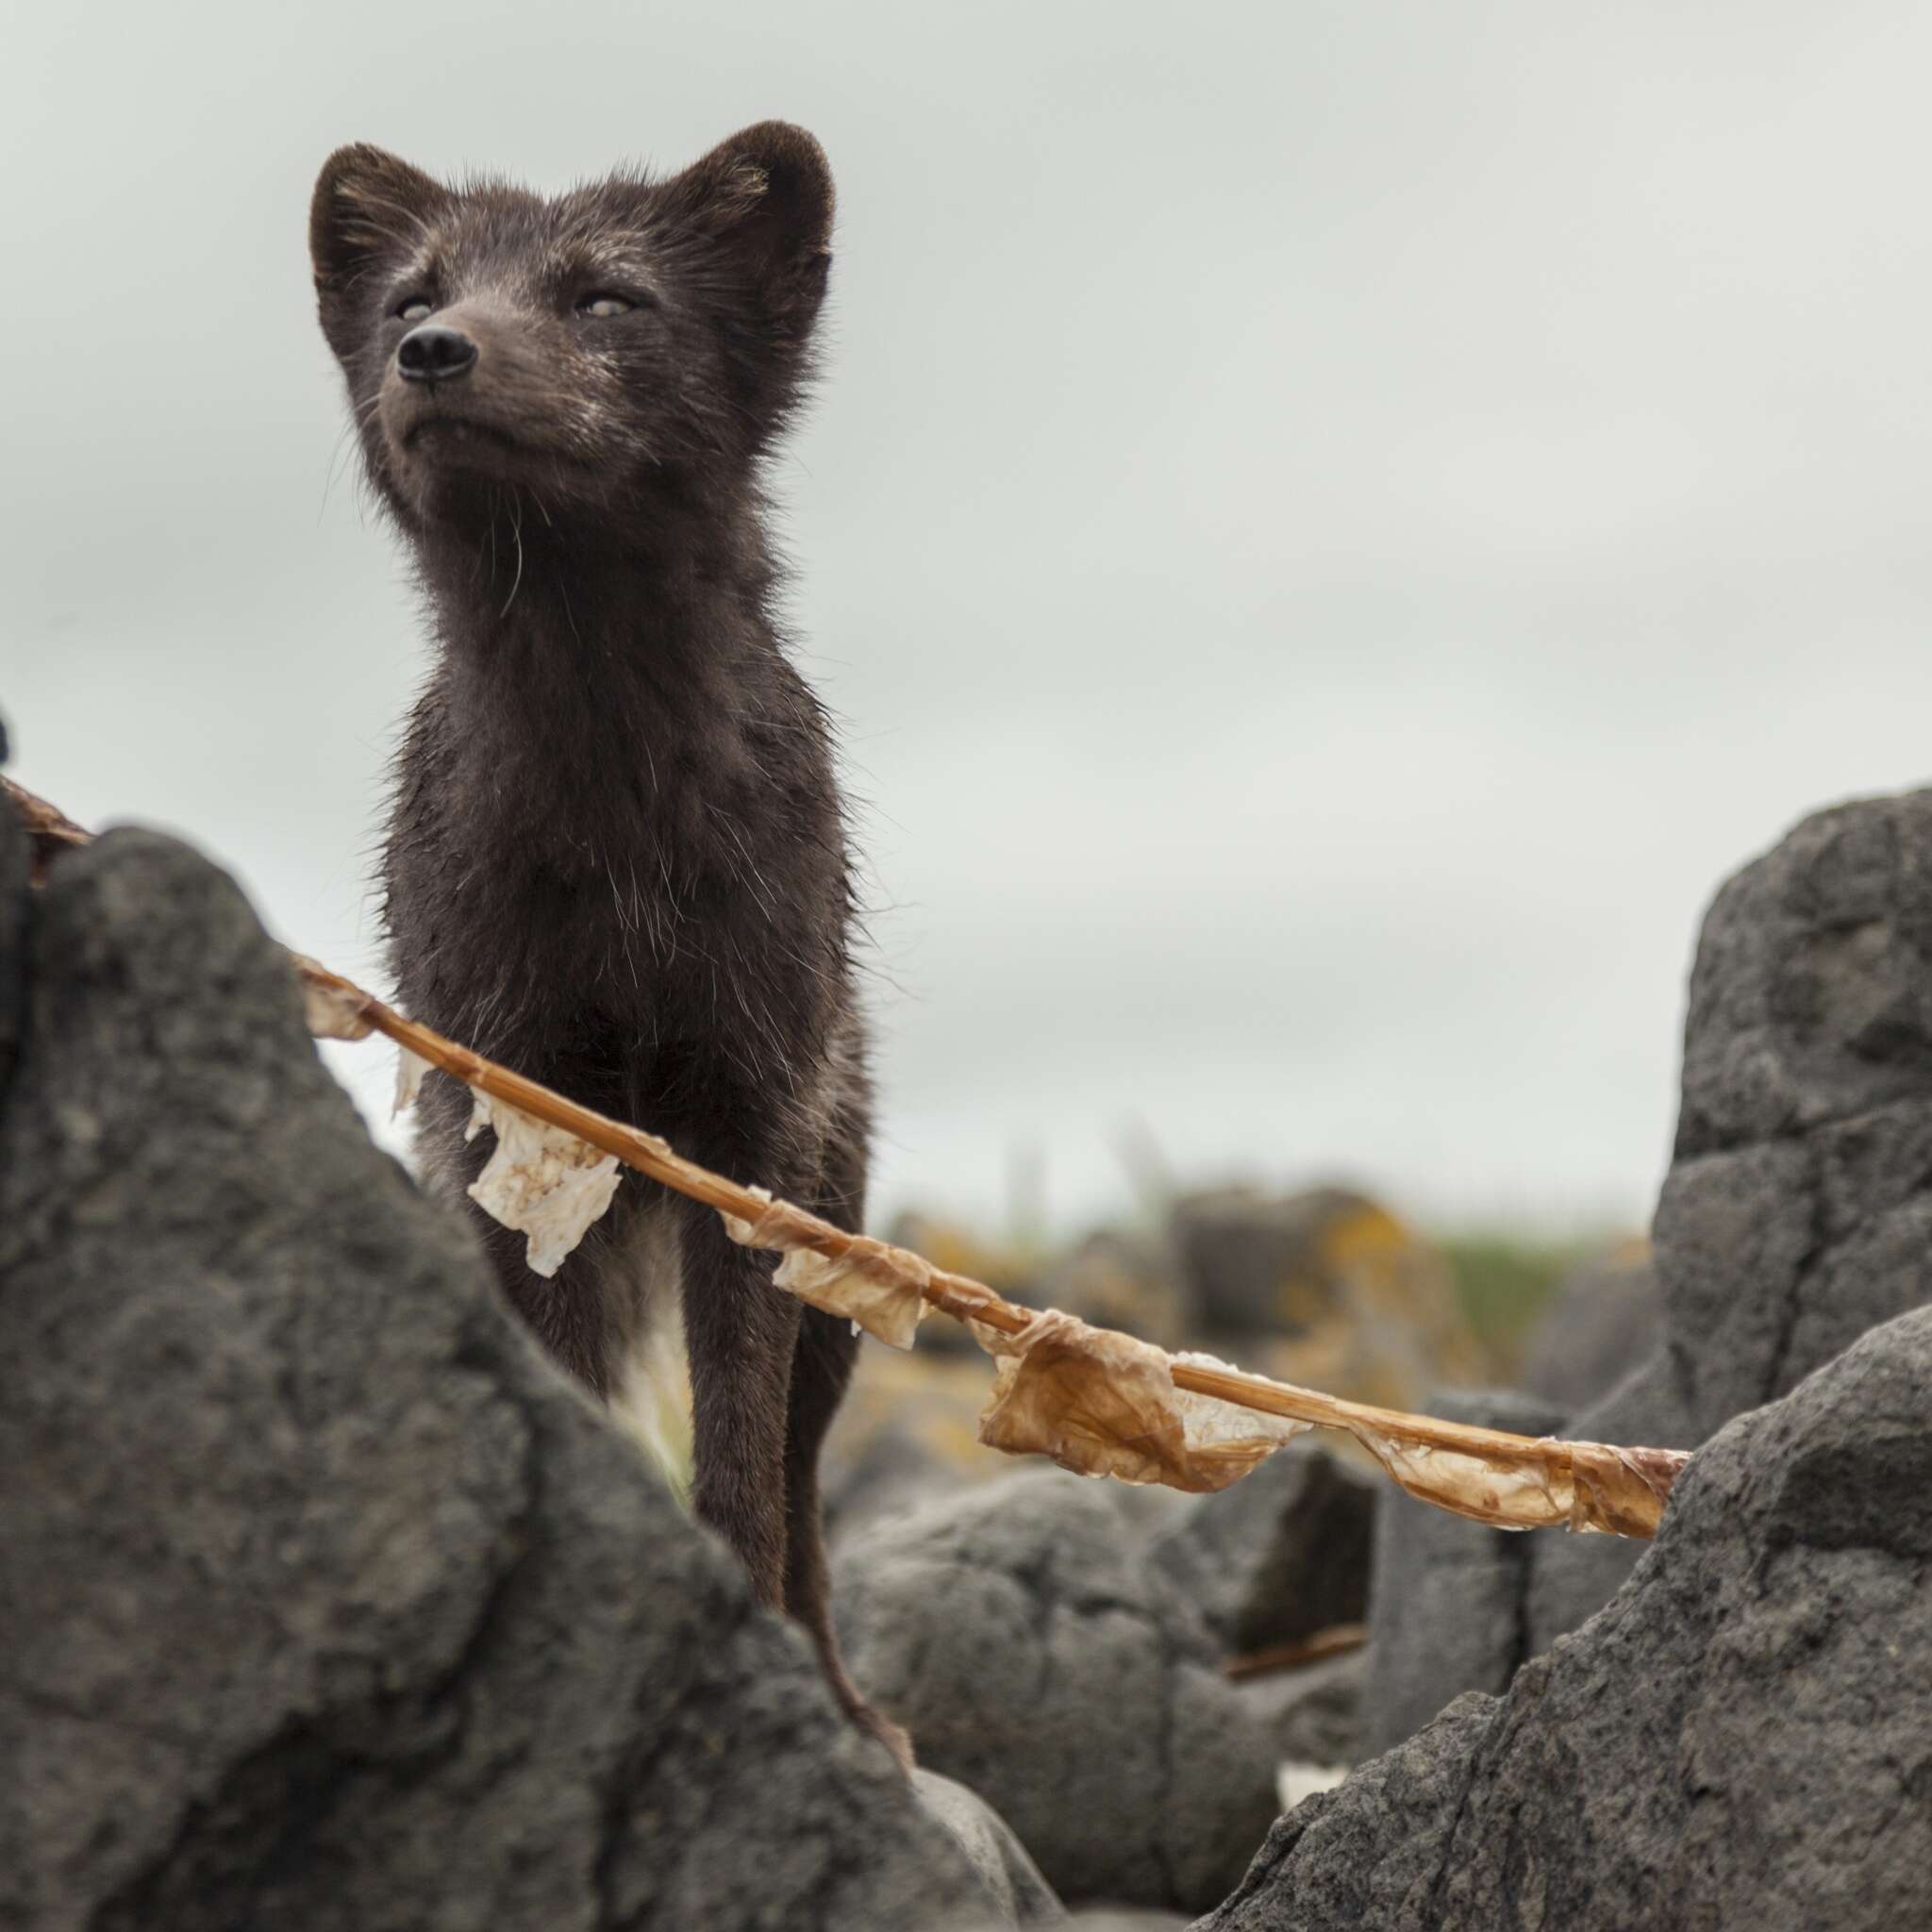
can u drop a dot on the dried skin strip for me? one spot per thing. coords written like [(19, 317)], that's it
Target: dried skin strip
[(410, 1070), (1508, 1495), (875, 1286), (1580, 1486), (541, 1180), (331, 1008), (1621, 1491), (1616, 1489), (1212, 1422), (1102, 1404), (779, 1224), (50, 831)]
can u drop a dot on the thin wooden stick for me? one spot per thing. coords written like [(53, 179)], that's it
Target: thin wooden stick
[(52, 831), (1485, 1474), (1336, 1641)]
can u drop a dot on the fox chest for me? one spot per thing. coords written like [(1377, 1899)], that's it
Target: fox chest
[(609, 957)]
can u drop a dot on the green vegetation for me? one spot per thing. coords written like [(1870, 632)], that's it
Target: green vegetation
[(1503, 1280)]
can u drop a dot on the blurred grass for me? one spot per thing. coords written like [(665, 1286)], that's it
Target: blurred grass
[(1504, 1281)]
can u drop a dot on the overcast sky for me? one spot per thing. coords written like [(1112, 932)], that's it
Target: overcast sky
[(1330, 527)]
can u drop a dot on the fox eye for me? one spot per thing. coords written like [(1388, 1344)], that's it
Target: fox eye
[(415, 309), (604, 307)]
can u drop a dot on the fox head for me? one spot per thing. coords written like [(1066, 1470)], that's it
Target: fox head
[(630, 335)]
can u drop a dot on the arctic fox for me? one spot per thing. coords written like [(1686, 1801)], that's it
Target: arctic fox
[(617, 856)]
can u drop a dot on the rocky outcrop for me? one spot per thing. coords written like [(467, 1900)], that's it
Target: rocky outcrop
[(1797, 1212), (326, 1601), (1739, 1738), (14, 858), (1604, 1320), (1019, 1634), (1105, 1920), (1058, 1645)]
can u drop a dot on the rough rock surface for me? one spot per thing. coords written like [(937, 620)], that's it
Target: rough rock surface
[(1008, 1875), (326, 1601), (1020, 1636), (1448, 1608), (1105, 1919), (1606, 1317), (13, 904), (1281, 1555), (1797, 1211), (1738, 1738)]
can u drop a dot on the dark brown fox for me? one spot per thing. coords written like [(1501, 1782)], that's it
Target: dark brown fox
[(617, 857)]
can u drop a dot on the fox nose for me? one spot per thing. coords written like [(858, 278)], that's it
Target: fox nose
[(435, 353)]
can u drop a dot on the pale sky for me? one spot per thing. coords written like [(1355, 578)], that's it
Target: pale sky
[(1330, 527)]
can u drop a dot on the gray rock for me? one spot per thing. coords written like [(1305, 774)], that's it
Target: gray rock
[(1020, 1636), (1106, 1918), (1101, 1919), (1795, 1216), (1446, 1612), (326, 1600), (1604, 1320), (893, 1473), (1281, 1555), (1363, 1856), (1797, 1213), (15, 857), (1808, 1001), (1314, 1714), (1008, 1875), (1255, 1262), (1128, 1278), (1740, 1738)]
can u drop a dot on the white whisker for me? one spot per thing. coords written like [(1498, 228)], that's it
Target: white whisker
[(516, 531)]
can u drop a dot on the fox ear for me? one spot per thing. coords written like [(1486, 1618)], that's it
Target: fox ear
[(367, 204), (766, 196)]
